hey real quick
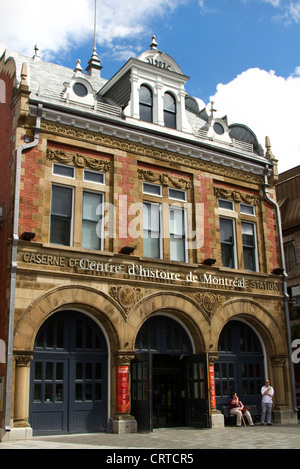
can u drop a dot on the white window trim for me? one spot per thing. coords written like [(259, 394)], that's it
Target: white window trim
[(154, 185), (64, 166), (234, 241), (161, 231), (255, 245), (179, 207), (95, 172), (72, 215), (101, 221)]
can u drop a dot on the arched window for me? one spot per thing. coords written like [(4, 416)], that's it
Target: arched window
[(169, 111), (146, 104)]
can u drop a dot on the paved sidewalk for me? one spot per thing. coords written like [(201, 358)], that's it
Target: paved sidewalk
[(187, 439)]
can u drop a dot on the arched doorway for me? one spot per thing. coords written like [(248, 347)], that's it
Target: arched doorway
[(169, 382), (240, 367), (68, 376)]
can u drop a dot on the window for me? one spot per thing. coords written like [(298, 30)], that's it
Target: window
[(90, 219), (249, 246), (80, 89), (61, 215), (227, 242), (177, 234), (146, 104), (290, 256), (177, 194), (152, 189), (247, 209), (152, 230), (94, 176), (226, 204), (65, 171), (169, 111)]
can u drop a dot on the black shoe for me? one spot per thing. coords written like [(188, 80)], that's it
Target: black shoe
[(270, 424)]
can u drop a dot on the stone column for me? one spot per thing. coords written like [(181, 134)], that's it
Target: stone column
[(22, 386), (123, 421), (217, 418), (282, 412)]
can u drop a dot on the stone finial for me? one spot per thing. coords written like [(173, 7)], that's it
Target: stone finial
[(36, 53), (269, 154), (153, 44), (78, 67), (24, 75)]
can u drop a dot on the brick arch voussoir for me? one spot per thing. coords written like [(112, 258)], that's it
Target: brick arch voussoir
[(179, 306), (254, 314), (85, 299)]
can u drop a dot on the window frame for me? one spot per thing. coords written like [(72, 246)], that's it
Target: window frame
[(160, 231), (254, 248), (143, 105), (168, 112), (185, 251), (71, 222), (101, 217), (234, 243)]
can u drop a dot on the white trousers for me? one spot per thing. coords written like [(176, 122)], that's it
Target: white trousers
[(239, 414)]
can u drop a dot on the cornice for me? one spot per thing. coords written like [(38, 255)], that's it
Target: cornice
[(174, 151)]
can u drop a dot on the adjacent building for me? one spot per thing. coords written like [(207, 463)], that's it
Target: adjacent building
[(141, 259), (288, 196)]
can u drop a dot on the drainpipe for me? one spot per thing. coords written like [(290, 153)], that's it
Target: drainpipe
[(286, 296), (15, 240)]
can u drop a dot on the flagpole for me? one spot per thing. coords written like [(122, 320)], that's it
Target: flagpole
[(95, 24)]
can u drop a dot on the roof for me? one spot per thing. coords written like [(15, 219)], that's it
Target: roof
[(52, 84)]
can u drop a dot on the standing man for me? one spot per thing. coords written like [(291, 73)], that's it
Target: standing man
[(267, 393)]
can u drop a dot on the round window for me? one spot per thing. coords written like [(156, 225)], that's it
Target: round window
[(80, 90), (218, 128)]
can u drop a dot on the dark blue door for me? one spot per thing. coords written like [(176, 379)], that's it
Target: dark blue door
[(68, 392), (240, 367)]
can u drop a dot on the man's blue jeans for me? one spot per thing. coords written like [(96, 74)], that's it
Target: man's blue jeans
[(266, 410)]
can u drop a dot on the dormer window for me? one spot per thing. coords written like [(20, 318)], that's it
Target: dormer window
[(146, 104), (80, 89), (169, 111)]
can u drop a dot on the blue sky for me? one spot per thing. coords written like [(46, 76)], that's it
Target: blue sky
[(243, 54)]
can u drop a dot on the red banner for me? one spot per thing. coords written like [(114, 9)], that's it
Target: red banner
[(123, 389), (212, 386)]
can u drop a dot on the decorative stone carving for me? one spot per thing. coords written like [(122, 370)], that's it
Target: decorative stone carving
[(23, 357), (78, 160), (209, 302), (237, 196), (164, 179), (143, 150), (126, 296)]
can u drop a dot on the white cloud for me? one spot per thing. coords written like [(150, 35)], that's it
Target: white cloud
[(269, 105), (59, 24)]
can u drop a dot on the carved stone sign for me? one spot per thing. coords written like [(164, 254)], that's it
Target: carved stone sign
[(144, 272)]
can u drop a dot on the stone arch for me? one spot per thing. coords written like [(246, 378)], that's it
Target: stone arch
[(178, 306), (256, 316), (95, 303)]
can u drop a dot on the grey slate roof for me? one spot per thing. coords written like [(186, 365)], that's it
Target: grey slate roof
[(48, 81)]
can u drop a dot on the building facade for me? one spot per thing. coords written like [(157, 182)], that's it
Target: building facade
[(288, 196), (141, 263)]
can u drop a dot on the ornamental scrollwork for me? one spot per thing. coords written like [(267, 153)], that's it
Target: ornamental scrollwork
[(78, 160), (164, 179), (126, 296), (235, 195)]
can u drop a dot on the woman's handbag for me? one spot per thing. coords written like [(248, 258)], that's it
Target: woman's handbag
[(245, 409)]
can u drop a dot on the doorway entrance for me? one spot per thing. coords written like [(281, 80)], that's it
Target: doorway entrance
[(68, 376), (240, 366), (169, 382)]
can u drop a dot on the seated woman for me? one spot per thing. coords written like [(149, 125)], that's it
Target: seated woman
[(236, 407)]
